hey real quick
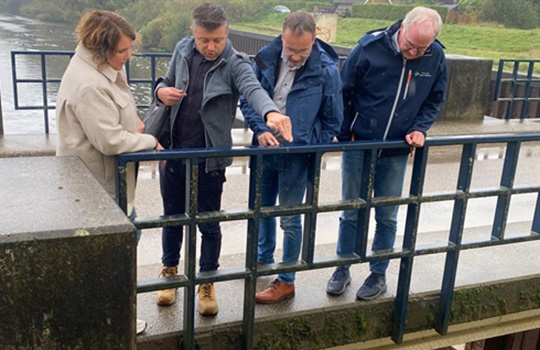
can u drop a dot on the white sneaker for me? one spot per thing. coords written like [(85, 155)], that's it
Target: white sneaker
[(141, 326)]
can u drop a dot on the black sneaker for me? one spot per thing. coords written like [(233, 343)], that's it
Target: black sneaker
[(373, 286), (338, 282)]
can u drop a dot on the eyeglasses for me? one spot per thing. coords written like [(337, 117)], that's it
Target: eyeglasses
[(304, 52), (411, 46)]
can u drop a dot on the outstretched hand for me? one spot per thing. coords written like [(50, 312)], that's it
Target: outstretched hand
[(282, 123)]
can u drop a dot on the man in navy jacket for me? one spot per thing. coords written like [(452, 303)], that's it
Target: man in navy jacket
[(393, 83), (299, 72)]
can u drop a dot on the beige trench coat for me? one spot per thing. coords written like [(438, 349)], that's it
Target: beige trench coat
[(96, 119)]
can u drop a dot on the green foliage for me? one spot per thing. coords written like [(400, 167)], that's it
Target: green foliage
[(68, 11), (510, 13), (141, 13), (470, 7), (389, 12)]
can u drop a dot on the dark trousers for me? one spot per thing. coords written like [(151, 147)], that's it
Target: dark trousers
[(173, 191)]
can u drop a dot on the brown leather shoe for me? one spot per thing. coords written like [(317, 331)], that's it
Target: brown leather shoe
[(278, 291), (167, 297), (208, 305)]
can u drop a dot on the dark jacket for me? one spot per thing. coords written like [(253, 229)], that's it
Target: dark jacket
[(371, 83), (314, 103), (230, 76)]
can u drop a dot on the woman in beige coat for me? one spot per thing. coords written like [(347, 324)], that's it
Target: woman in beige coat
[(95, 111)]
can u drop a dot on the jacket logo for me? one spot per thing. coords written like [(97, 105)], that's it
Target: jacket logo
[(422, 74)]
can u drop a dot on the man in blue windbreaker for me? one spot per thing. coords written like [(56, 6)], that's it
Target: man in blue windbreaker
[(393, 83), (299, 73)]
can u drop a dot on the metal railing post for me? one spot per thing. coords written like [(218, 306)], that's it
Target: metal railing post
[(1, 115)]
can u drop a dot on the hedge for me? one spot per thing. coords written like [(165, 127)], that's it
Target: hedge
[(389, 12)]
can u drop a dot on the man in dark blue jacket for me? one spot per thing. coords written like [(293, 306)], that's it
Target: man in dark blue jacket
[(393, 83), (299, 72)]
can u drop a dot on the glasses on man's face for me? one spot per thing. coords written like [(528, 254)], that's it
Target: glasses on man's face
[(304, 52), (410, 46)]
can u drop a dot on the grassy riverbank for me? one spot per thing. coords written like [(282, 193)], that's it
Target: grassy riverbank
[(485, 41)]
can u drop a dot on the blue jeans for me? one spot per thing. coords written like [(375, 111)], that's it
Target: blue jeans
[(173, 191), (388, 181), (283, 177)]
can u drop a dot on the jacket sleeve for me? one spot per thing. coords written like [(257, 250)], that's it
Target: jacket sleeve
[(430, 107), (254, 120), (170, 77), (331, 112), (100, 119), (351, 73), (250, 88)]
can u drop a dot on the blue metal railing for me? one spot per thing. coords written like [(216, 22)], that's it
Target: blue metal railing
[(312, 207), (514, 80), (45, 80)]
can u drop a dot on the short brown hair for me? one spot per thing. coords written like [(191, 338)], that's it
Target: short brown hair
[(100, 31), (300, 22), (209, 16)]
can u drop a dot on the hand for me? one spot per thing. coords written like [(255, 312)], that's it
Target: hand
[(275, 120), (267, 139), (415, 139), (158, 147), (170, 95), (140, 126)]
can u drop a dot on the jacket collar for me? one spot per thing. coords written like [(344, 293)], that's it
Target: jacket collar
[(87, 56)]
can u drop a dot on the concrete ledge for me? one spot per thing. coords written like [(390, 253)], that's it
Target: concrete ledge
[(363, 321), (67, 259)]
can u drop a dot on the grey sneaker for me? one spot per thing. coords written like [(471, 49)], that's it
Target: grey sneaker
[(339, 281), (373, 286)]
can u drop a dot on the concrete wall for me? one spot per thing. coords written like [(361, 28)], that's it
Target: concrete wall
[(467, 94), (67, 259)]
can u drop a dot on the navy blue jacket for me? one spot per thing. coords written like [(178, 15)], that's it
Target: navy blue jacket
[(371, 77), (314, 104)]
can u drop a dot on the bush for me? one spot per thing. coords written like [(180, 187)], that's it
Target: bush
[(389, 12), (520, 14), (470, 7)]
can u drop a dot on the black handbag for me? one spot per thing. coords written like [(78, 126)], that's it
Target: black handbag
[(157, 121)]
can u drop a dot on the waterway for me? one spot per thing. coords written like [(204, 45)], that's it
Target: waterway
[(18, 33)]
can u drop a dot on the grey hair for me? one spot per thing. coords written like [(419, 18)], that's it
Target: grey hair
[(300, 22), (425, 15), (209, 16)]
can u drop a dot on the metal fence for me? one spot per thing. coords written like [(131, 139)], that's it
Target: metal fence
[(517, 80), (312, 207), (45, 81)]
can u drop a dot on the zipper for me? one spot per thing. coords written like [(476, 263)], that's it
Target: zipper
[(396, 100)]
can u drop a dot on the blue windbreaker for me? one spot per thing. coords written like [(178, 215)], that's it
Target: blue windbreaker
[(375, 75), (314, 104)]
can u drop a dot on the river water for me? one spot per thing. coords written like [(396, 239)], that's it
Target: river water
[(25, 34)]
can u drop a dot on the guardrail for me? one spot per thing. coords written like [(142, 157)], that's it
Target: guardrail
[(514, 80), (45, 81), (312, 207)]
